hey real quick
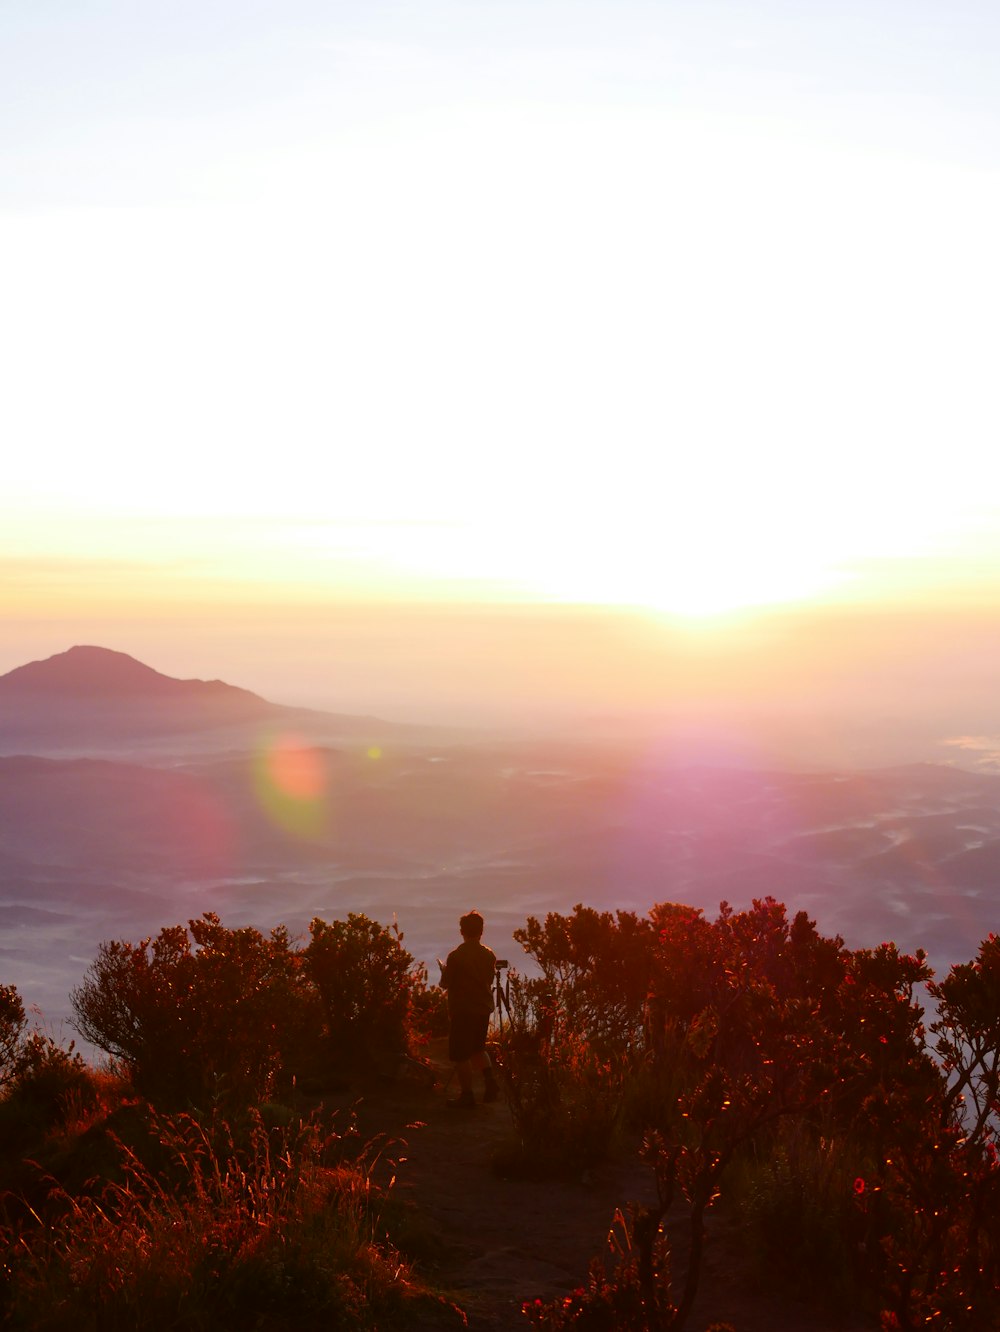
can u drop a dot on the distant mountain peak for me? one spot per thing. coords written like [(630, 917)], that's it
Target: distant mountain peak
[(88, 672), (93, 699)]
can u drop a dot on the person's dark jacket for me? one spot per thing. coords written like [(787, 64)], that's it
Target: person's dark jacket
[(468, 977)]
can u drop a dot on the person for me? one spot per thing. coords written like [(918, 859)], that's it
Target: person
[(468, 975)]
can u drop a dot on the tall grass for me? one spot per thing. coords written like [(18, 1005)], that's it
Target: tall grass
[(270, 1232), (804, 1228)]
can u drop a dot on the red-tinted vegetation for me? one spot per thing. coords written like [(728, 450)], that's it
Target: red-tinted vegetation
[(205, 1014), (760, 1065), (759, 1046)]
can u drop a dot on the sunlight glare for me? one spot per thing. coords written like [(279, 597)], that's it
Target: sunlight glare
[(739, 406)]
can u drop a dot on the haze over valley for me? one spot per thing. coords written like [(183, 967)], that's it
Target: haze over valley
[(130, 801)]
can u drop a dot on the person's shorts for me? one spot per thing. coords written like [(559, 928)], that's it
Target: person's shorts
[(467, 1035)]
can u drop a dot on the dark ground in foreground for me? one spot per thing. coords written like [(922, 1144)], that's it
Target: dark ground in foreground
[(497, 1242)]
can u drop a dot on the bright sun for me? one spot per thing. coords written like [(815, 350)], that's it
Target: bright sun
[(697, 580), (700, 562), (559, 431)]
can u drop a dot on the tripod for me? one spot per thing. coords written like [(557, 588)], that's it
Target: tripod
[(501, 993)]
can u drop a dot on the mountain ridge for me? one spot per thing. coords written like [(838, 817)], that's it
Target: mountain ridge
[(91, 697), (87, 671)]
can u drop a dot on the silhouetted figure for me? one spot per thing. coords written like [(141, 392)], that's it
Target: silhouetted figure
[(468, 976)]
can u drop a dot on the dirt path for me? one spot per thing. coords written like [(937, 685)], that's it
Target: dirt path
[(499, 1242), (507, 1240)]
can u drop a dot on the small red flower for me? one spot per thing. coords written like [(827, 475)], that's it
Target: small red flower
[(859, 1186)]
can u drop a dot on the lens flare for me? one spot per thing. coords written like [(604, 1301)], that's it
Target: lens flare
[(290, 779), (194, 829)]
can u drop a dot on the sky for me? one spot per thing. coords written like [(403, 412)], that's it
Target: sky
[(315, 314)]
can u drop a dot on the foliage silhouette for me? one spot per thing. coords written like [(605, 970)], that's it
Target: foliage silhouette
[(367, 983), (968, 1042), (750, 1053), (205, 1014), (12, 1024), (596, 971), (565, 1095), (753, 1022), (201, 1014)]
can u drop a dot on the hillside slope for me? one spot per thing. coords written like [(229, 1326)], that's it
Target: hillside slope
[(93, 699)]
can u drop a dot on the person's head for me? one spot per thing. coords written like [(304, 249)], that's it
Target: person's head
[(471, 925)]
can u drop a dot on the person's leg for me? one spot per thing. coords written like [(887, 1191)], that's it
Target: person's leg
[(465, 1100), (480, 1062), (459, 1047), (467, 1048)]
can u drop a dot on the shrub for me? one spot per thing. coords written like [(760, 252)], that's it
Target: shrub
[(43, 1085), (428, 1009), (47, 1085), (202, 1014), (565, 1098), (206, 1014), (12, 1024), (749, 1021), (367, 984), (874, 1163), (967, 1035), (596, 967)]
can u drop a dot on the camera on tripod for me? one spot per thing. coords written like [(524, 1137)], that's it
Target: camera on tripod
[(501, 963)]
